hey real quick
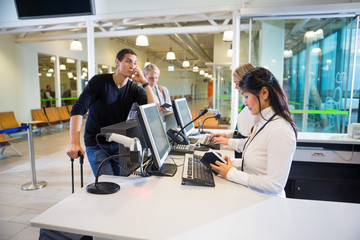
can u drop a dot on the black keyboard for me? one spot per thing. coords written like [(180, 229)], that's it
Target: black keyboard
[(195, 172), (181, 149), (207, 142)]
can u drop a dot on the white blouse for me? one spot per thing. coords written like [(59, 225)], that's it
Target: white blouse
[(244, 125), (267, 158)]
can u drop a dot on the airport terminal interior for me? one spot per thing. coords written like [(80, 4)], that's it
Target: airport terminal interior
[(314, 54)]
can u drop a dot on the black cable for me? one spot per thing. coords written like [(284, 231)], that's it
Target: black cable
[(98, 144), (202, 127), (104, 161)]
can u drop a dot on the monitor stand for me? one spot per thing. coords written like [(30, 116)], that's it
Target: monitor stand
[(167, 169)]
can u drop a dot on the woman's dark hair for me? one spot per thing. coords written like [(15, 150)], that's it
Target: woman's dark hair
[(260, 77), (120, 55)]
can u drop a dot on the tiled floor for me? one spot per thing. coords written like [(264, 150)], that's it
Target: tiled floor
[(18, 207)]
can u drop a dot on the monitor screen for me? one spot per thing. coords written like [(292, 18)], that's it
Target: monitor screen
[(183, 115), (154, 133), (27, 9)]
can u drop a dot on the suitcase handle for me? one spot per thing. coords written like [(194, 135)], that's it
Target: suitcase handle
[(81, 171)]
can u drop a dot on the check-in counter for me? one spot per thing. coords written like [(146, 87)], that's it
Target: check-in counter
[(325, 167)]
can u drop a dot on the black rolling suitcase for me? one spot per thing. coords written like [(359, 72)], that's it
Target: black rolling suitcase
[(47, 234)]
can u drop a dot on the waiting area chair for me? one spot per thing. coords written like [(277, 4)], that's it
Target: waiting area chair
[(8, 120), (5, 142), (69, 108), (63, 113), (52, 115)]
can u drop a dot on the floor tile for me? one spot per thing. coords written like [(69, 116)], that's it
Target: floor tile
[(9, 229), (8, 213)]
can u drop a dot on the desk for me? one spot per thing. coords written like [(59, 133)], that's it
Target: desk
[(334, 138), (325, 167), (162, 208)]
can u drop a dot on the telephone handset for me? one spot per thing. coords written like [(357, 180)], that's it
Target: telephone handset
[(177, 136)]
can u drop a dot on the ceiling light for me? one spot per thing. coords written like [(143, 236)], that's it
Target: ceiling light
[(62, 67), (228, 36), (316, 51), (206, 74), (142, 41), (288, 53), (311, 36), (186, 64), (195, 68), (70, 75), (201, 72), (51, 70), (319, 34), (48, 74), (52, 59), (210, 76), (170, 55), (69, 60), (229, 52), (171, 68), (76, 46), (84, 69)]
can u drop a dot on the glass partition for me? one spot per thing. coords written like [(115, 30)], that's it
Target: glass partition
[(68, 79), (84, 74), (46, 66), (312, 59), (103, 69), (222, 95)]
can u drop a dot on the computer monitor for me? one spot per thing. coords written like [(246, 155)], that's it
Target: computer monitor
[(183, 115), (155, 138)]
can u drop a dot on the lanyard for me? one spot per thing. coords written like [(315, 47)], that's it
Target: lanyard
[(246, 143)]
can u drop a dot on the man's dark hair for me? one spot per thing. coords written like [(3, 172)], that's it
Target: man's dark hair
[(120, 55)]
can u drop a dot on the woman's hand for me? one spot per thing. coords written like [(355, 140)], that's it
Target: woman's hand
[(217, 135), (222, 168), (221, 140)]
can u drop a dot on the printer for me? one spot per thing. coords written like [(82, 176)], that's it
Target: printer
[(354, 130)]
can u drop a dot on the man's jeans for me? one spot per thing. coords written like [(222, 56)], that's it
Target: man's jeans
[(96, 155)]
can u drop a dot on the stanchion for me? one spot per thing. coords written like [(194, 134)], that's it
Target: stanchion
[(33, 184)]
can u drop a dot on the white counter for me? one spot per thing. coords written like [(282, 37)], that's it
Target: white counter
[(162, 208)]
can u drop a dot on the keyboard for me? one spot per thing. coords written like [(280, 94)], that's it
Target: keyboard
[(181, 149), (207, 142), (195, 172)]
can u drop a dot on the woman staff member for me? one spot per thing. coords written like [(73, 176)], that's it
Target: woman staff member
[(268, 152), (245, 118)]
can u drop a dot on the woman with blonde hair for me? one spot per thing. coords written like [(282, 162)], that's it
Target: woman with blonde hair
[(245, 119), (152, 74)]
